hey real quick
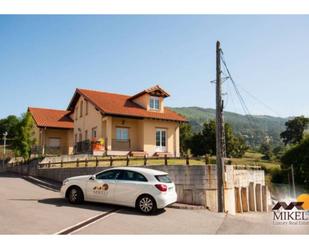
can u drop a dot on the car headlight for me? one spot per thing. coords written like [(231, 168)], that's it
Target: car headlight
[(65, 181)]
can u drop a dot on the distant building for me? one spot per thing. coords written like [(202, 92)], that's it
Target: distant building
[(53, 131)]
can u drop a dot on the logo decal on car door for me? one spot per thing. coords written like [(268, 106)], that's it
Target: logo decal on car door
[(99, 188)]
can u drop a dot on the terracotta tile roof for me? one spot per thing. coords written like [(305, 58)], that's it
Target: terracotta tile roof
[(118, 104), (51, 118), (152, 89)]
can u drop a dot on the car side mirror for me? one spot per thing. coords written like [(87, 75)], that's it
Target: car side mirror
[(92, 178)]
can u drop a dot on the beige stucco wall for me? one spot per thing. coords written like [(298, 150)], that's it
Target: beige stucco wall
[(143, 101), (42, 136), (35, 133), (149, 133), (87, 122), (142, 132), (133, 126), (62, 134), (70, 141)]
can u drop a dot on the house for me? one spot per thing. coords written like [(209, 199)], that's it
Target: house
[(126, 124), (52, 131), (113, 124)]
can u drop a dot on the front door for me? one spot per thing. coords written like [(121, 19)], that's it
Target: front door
[(161, 140)]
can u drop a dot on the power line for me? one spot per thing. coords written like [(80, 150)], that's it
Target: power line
[(238, 94), (261, 102), (250, 94)]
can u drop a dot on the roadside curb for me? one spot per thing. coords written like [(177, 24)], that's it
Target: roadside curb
[(187, 206), (42, 183)]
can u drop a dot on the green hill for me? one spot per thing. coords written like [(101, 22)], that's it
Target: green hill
[(254, 129)]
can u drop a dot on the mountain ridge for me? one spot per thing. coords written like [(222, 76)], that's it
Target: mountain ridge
[(253, 128)]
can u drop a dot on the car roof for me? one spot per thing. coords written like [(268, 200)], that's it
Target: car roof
[(143, 170)]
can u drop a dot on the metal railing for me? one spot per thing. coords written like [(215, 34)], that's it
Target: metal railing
[(83, 147)]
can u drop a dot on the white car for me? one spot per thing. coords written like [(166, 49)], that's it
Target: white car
[(145, 189)]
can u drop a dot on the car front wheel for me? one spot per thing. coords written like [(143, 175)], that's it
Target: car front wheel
[(146, 204), (75, 195)]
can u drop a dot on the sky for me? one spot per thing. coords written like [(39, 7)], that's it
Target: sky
[(43, 59)]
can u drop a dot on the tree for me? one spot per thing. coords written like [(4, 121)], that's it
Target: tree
[(266, 150), (294, 130), (278, 151), (9, 125), (23, 141), (205, 142), (298, 155), (185, 138)]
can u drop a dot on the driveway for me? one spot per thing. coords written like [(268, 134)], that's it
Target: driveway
[(32, 207)]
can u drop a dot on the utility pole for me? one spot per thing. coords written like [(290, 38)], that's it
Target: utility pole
[(293, 182), (219, 131), (4, 144)]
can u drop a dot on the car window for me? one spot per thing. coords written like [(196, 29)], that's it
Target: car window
[(163, 178), (108, 175), (128, 175)]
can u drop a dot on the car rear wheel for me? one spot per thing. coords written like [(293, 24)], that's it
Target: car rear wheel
[(146, 204), (75, 195)]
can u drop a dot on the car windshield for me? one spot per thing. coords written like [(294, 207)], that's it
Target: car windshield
[(163, 178)]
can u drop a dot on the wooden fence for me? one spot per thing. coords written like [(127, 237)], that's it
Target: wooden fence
[(133, 161), (110, 161)]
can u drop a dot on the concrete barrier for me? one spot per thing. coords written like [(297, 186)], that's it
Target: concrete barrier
[(195, 185), (238, 206), (244, 199), (264, 199), (252, 206), (258, 197)]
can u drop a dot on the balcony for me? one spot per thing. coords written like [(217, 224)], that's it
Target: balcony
[(83, 147), (121, 144)]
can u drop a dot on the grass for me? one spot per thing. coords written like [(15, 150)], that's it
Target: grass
[(250, 158), (132, 162), (255, 158)]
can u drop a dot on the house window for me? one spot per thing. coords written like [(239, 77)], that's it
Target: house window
[(54, 142), (76, 113), (122, 133), (86, 134), (81, 108), (86, 104), (161, 140), (94, 133), (154, 103)]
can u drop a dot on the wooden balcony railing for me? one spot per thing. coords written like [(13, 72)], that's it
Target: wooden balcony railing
[(121, 144)]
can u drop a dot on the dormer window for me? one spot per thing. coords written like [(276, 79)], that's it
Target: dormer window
[(154, 103)]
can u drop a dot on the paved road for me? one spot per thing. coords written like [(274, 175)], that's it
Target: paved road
[(27, 207)]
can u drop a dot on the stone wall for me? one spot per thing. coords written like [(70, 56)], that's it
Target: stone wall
[(195, 185)]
